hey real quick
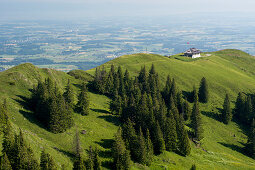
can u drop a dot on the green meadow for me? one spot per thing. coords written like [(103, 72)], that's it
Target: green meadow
[(227, 71)]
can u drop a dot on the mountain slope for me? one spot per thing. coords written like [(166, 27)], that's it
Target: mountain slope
[(226, 71)]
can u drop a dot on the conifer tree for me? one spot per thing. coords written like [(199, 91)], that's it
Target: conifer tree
[(149, 145), (159, 143), (69, 94), (142, 150), (79, 161), (203, 93), (196, 121), (130, 138), (248, 111), (82, 106), (166, 91), (173, 91), (239, 105), (47, 162), (170, 133), (193, 167), (183, 139), (186, 110), (121, 155), (5, 163), (227, 112), (143, 80), (250, 146)]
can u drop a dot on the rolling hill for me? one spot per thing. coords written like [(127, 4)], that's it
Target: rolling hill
[(227, 71)]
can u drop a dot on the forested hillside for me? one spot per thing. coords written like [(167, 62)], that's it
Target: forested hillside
[(149, 110)]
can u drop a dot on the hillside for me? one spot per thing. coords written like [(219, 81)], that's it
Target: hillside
[(228, 71)]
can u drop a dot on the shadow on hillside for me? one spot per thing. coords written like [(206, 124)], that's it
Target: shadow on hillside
[(107, 153), (188, 95), (111, 119), (67, 153), (234, 147), (212, 115), (27, 111), (101, 111)]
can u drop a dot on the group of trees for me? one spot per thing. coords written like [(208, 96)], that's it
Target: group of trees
[(16, 153), (54, 109), (244, 112), (92, 162), (153, 120)]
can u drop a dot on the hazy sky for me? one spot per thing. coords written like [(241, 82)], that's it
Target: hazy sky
[(76, 9)]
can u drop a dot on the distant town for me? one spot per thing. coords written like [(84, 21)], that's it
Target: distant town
[(68, 46)]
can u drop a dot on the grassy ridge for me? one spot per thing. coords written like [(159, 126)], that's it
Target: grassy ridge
[(226, 71)]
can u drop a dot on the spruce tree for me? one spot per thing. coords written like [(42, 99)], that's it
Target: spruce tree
[(196, 121), (5, 163), (239, 105), (149, 146), (159, 143), (69, 94), (79, 163), (186, 110), (170, 133), (142, 150), (183, 139), (82, 106), (121, 157), (250, 146), (226, 112), (203, 93), (248, 111), (47, 162), (193, 167)]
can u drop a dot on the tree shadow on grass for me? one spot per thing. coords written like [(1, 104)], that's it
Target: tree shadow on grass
[(234, 147), (212, 115), (27, 112), (111, 119), (101, 111), (67, 153), (107, 153), (188, 95)]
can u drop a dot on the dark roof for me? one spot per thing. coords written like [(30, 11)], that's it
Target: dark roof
[(192, 51)]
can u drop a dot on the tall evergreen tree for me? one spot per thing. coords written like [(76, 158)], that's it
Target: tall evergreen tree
[(149, 146), (196, 121), (79, 163), (186, 110), (248, 111), (203, 93), (83, 101), (250, 146), (5, 163), (183, 139), (121, 157), (159, 143), (142, 150), (239, 105), (47, 162), (226, 112), (69, 94), (170, 133)]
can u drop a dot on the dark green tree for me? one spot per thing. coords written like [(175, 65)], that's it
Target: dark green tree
[(226, 112), (79, 163), (47, 162), (69, 94), (248, 111), (193, 167), (183, 139), (82, 106), (170, 133), (142, 150), (196, 120), (5, 163), (186, 110), (239, 106), (203, 93), (149, 146), (250, 146), (121, 157), (159, 143)]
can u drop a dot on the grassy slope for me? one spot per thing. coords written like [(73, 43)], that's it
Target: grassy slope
[(15, 84), (227, 71)]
